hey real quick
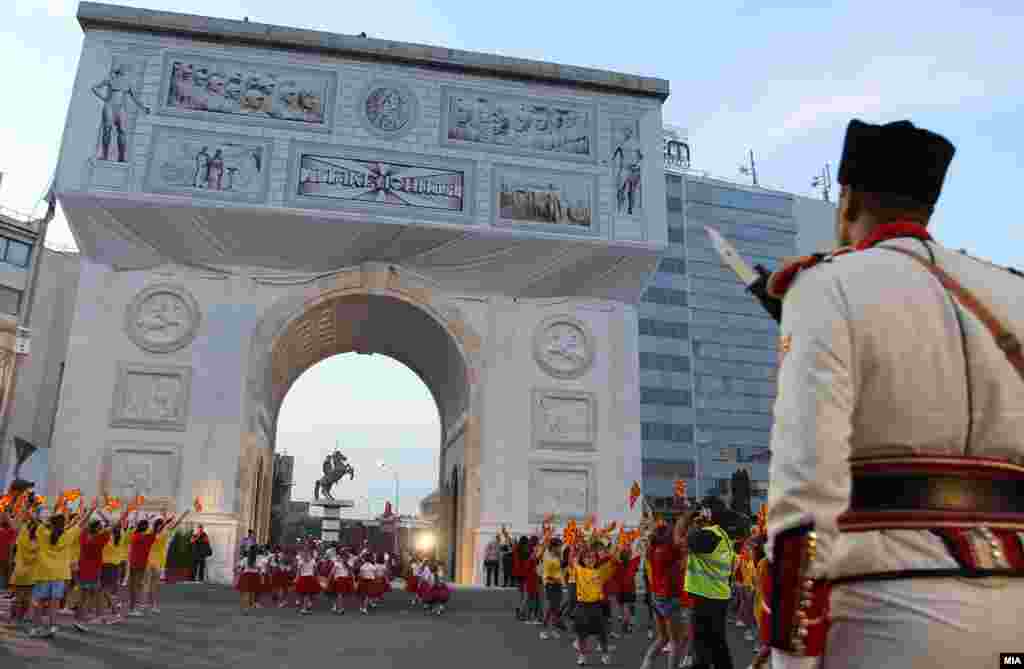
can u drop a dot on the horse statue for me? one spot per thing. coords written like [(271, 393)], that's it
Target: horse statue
[(336, 467)]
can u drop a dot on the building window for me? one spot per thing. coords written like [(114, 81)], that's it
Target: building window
[(684, 469), (15, 252), (665, 296), (654, 328), (675, 203), (664, 362), (682, 434), (672, 266), (10, 301), (676, 235), (666, 396)]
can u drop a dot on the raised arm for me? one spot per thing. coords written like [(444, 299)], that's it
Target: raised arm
[(177, 522), (682, 529)]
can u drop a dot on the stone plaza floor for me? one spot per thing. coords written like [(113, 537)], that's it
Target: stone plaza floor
[(201, 626)]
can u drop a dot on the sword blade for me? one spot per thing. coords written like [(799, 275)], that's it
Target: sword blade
[(731, 257)]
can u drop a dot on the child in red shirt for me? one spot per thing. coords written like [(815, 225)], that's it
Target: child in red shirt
[(626, 587), (90, 561), (8, 537), (138, 560), (532, 581)]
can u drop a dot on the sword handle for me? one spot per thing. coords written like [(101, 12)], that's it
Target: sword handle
[(759, 289)]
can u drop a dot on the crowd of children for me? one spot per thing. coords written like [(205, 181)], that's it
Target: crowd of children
[(299, 575), (102, 567), (79, 561), (592, 583)]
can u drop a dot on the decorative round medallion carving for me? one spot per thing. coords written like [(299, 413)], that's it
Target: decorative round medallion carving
[(563, 347), (388, 109), (162, 318)]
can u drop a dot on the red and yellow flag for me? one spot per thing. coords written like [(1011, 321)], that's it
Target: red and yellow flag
[(634, 494), (198, 505), (112, 504), (72, 495), (20, 502), (5, 502), (571, 533)]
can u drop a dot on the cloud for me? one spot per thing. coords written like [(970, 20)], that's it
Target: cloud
[(50, 8)]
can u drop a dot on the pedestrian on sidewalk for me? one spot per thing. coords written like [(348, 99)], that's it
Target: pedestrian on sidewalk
[(491, 554), (201, 551)]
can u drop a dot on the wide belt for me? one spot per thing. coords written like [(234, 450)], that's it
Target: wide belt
[(927, 492), (975, 505)]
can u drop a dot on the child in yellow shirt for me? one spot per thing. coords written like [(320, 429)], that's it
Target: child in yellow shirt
[(52, 570), (27, 552), (591, 576), (554, 582)]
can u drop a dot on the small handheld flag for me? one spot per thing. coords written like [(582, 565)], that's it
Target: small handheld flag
[(634, 494), (680, 489)]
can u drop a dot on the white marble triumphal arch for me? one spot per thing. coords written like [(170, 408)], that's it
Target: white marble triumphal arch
[(251, 199)]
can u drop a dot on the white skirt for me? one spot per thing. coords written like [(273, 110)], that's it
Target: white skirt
[(925, 623)]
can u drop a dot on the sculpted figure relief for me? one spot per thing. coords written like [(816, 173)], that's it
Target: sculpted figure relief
[(116, 92)]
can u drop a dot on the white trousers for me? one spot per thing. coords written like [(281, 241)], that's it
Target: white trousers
[(920, 624)]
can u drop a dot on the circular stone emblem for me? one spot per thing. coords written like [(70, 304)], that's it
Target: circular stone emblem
[(389, 109), (563, 347), (162, 318)]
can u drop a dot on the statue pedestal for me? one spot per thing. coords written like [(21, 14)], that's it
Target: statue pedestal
[(330, 520)]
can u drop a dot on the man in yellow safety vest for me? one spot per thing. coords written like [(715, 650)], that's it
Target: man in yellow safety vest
[(708, 580)]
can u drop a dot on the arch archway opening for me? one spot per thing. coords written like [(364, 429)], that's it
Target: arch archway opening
[(386, 325)]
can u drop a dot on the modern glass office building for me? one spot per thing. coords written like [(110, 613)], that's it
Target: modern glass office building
[(707, 348)]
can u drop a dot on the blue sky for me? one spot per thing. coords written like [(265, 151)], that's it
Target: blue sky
[(782, 79)]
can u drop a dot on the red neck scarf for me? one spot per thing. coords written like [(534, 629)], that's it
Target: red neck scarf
[(894, 230), (782, 279)]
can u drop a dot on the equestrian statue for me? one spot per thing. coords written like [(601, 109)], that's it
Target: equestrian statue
[(336, 467)]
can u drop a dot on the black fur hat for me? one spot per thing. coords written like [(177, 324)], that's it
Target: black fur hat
[(895, 158)]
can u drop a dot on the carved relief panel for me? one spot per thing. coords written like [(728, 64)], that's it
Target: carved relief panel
[(388, 109), (562, 488), (149, 469), (162, 318), (151, 397), (563, 347), (564, 420)]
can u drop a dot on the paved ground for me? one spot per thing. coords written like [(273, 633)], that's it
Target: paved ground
[(200, 626)]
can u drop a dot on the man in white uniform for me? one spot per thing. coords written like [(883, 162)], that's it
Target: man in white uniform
[(896, 499)]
